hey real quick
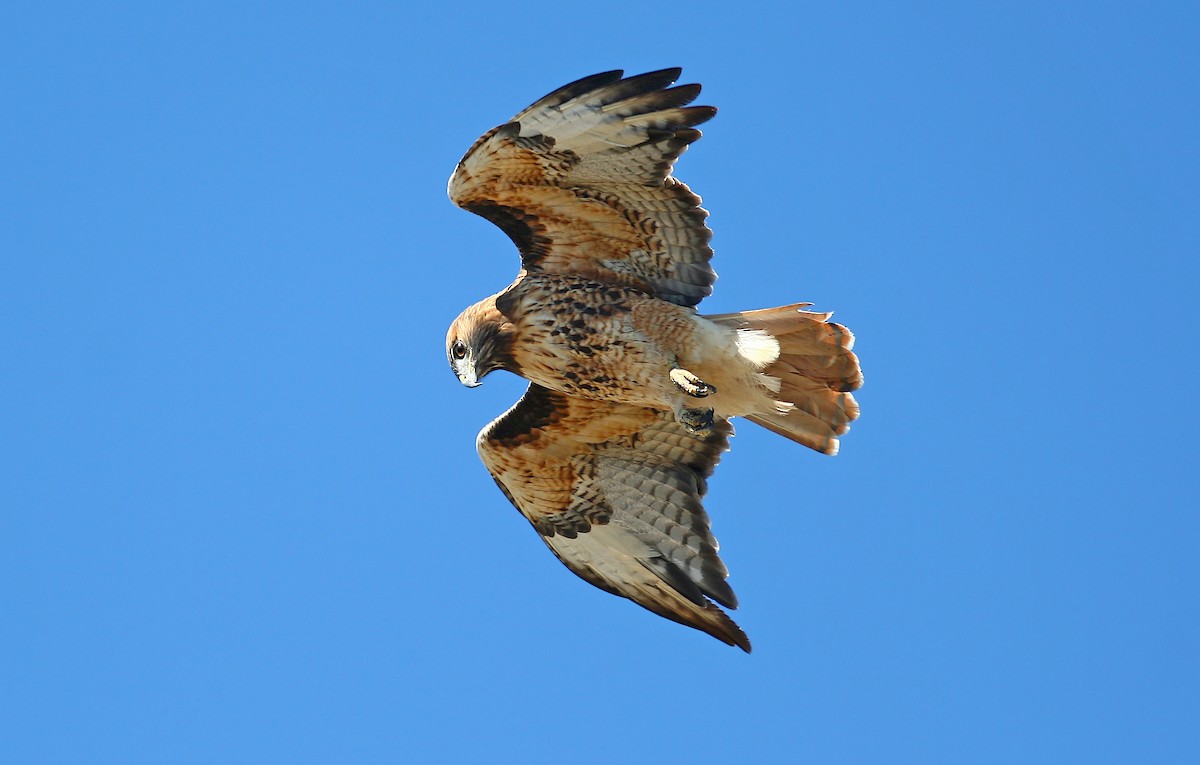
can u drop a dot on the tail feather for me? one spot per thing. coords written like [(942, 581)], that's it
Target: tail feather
[(816, 370), (800, 427), (814, 396)]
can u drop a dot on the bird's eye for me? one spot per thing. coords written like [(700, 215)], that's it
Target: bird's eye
[(458, 350)]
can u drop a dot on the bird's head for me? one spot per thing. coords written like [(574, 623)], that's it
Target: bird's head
[(480, 341)]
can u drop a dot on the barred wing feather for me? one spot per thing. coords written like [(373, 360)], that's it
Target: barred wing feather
[(615, 492), (581, 182)]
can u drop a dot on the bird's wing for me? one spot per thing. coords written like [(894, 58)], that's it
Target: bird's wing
[(581, 182), (615, 492)]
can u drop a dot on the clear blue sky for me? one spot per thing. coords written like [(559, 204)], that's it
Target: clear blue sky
[(241, 515)]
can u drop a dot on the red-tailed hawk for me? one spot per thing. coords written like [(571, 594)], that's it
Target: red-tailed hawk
[(631, 390)]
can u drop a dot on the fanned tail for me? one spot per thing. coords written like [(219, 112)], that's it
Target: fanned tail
[(816, 370)]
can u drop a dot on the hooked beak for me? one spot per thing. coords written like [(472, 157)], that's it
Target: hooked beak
[(469, 379)]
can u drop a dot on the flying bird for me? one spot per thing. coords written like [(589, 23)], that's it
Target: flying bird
[(631, 390)]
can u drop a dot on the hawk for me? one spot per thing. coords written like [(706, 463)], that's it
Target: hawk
[(631, 390)]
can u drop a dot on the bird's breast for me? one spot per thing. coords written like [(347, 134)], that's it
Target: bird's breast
[(581, 339)]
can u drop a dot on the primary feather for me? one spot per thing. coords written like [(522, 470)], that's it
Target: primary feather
[(579, 182)]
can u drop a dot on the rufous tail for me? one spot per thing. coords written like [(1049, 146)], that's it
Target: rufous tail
[(816, 370)]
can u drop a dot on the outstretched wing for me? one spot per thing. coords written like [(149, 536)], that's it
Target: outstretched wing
[(615, 492), (580, 181)]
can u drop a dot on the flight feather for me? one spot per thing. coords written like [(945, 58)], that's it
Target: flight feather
[(580, 181), (615, 492)]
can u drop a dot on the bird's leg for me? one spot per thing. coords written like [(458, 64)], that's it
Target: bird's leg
[(697, 420), (691, 385)]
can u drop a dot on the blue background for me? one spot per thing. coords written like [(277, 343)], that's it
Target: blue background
[(241, 516)]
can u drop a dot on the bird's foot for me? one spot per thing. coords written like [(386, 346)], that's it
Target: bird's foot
[(691, 385), (696, 421)]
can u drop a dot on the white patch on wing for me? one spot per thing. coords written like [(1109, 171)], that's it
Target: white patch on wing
[(612, 551)]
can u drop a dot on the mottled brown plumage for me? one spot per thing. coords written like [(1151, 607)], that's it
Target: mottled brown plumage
[(614, 490), (631, 390)]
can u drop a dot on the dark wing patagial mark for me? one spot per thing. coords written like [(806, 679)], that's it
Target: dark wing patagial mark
[(539, 409), (580, 181), (615, 491)]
